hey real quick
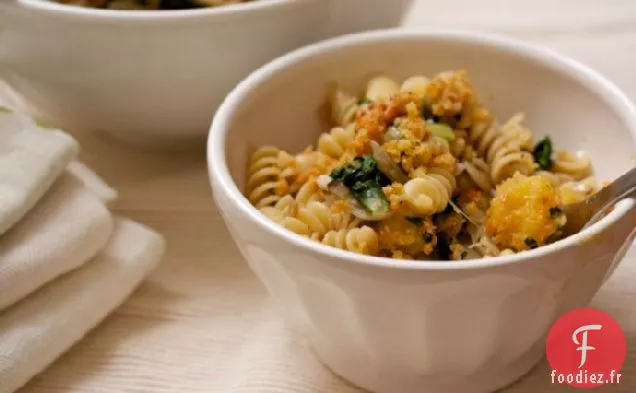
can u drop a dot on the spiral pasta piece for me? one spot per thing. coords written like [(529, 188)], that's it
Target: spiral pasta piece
[(285, 207), (505, 148), (381, 88), (344, 220), (363, 240), (343, 107), (576, 191), (578, 166), (264, 186), (287, 164), (314, 218), (310, 217), (301, 168), (295, 225), (570, 189), (430, 193), (309, 192), (416, 84), (445, 177), (335, 142), (556, 179), (478, 172)]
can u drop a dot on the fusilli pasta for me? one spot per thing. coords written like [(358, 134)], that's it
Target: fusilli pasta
[(335, 142), (309, 192), (430, 193), (478, 172), (381, 88), (342, 106), (309, 219), (362, 240), (305, 166), (578, 166), (506, 149), (265, 184), (420, 169), (416, 84), (570, 189), (556, 179), (577, 190)]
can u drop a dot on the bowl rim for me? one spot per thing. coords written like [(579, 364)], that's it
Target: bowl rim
[(219, 174), (154, 15)]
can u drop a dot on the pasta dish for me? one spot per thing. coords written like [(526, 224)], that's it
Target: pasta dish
[(420, 169)]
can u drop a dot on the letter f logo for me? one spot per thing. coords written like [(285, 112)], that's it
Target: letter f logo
[(570, 341), (583, 344)]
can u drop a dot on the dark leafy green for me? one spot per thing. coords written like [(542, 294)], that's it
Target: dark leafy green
[(531, 243), (542, 153), (555, 211), (365, 181), (427, 114), (364, 101), (464, 254)]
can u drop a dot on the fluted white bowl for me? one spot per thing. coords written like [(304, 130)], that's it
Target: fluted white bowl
[(435, 327), (156, 77)]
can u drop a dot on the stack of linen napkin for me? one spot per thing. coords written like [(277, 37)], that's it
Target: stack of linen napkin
[(65, 261)]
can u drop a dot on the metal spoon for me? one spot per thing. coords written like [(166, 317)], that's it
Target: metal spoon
[(581, 215)]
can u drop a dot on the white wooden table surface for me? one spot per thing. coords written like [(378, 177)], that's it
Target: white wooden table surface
[(202, 323)]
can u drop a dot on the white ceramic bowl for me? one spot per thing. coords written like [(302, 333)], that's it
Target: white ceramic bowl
[(157, 76), (435, 327)]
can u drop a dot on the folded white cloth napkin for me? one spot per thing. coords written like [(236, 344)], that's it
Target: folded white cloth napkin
[(67, 227), (41, 327), (30, 161), (93, 182), (65, 262)]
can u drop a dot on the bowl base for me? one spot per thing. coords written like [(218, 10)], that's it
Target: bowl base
[(376, 382)]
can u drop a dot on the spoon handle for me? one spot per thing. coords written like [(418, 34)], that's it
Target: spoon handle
[(615, 191), (624, 184)]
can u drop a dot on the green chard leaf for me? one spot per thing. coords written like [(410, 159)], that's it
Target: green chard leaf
[(543, 153), (365, 181)]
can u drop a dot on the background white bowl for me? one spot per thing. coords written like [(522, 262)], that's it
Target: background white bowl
[(436, 327), (157, 76)]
